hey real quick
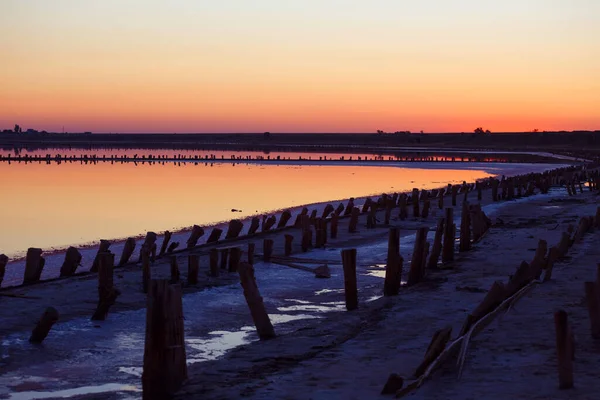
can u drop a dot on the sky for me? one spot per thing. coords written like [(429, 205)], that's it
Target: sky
[(299, 66)]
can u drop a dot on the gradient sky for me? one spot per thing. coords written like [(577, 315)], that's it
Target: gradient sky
[(299, 66)]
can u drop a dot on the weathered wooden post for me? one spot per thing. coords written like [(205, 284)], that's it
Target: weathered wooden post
[(350, 287), (372, 216), (340, 209), (465, 228), (254, 225), (213, 256), (269, 223), (146, 272), (389, 206), (224, 257), (44, 325), (418, 263), (34, 264), (403, 214), (193, 267), (165, 366), (299, 217), (107, 293), (251, 247), (455, 190), (415, 202), (215, 235), (478, 186), (564, 350), (495, 184), (264, 328), (350, 206), (128, 249), (313, 216), (426, 205), (72, 261), (334, 225), (3, 262), (353, 220), (393, 268), (288, 244), (166, 238), (196, 233), (285, 217), (592, 295), (365, 207), (235, 256), (234, 229), (150, 242), (174, 270), (436, 249), (448, 246), (328, 210), (267, 249)]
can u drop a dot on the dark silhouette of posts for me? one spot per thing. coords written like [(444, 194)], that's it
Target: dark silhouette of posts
[(103, 248), (165, 366), (393, 268), (436, 249), (107, 294), (44, 325), (195, 235), (72, 261), (415, 203), (350, 286), (34, 264), (193, 267), (353, 220), (165, 243), (235, 255), (448, 245), (564, 350), (128, 249), (264, 328), (234, 229)]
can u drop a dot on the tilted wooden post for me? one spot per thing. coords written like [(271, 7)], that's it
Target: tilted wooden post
[(288, 244), (350, 286), (72, 261), (339, 210), (264, 328), (235, 256), (285, 217), (393, 268), (235, 227), (193, 267), (103, 248), (448, 247), (465, 228), (150, 243), (107, 293), (353, 220), (254, 225), (592, 295), (165, 366), (214, 262), (417, 264), (215, 235), (563, 350), (328, 210), (267, 249), (163, 248), (441, 199), (269, 223), (349, 206), (436, 249), (128, 249), (3, 262), (195, 235), (44, 325), (34, 264)]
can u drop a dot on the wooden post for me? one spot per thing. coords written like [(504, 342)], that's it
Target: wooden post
[(372, 217), (107, 294), (328, 210), (455, 189), (393, 268), (146, 272), (174, 270), (34, 264), (267, 249), (224, 257), (288, 244), (72, 261), (254, 225), (465, 228), (426, 205), (234, 229), (539, 260), (193, 267), (44, 325), (415, 202), (350, 287), (563, 350), (403, 207), (416, 265), (436, 249), (592, 295), (353, 220), (235, 256), (334, 225), (264, 328), (103, 248), (269, 223), (128, 249), (251, 247), (389, 205), (285, 217), (478, 186), (339, 210), (165, 366), (441, 198), (196, 233), (215, 235), (495, 184), (3, 262), (150, 242), (165, 243), (349, 206), (214, 262), (448, 245)]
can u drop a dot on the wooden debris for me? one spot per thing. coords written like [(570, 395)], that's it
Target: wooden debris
[(264, 328)]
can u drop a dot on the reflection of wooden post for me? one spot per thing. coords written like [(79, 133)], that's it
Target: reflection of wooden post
[(3, 262), (416, 265), (34, 264), (465, 228), (393, 268), (235, 255), (436, 249), (107, 294), (353, 220), (44, 325), (234, 229), (128, 249), (251, 247), (196, 233), (415, 203), (215, 235), (254, 225), (214, 262), (165, 243), (165, 366), (563, 350), (448, 247), (264, 328), (334, 225), (174, 270), (193, 267), (267, 249), (146, 273), (288, 244), (350, 288), (103, 248), (592, 295), (72, 261)]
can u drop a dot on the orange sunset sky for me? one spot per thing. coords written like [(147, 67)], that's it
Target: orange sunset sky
[(299, 66)]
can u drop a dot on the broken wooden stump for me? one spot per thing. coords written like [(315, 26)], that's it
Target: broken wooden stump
[(564, 350), (313, 217), (299, 217), (584, 226), (3, 262), (213, 256), (264, 328), (107, 293), (393, 268), (235, 256), (128, 249), (215, 235), (195, 235), (165, 366), (150, 242), (522, 276), (72, 261), (267, 249), (251, 247), (539, 260), (448, 245), (193, 268), (564, 244), (288, 244), (166, 238), (353, 220), (350, 287), (592, 296), (34, 264), (254, 225), (553, 256), (103, 248), (285, 217), (441, 199), (174, 270), (349, 206), (436, 249), (415, 203), (328, 210), (417, 264), (41, 330), (465, 228), (234, 229), (435, 348), (366, 205), (269, 223)]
